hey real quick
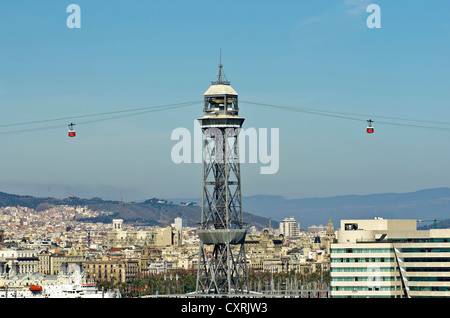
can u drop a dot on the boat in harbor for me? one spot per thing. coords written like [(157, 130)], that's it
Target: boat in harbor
[(89, 290), (70, 282)]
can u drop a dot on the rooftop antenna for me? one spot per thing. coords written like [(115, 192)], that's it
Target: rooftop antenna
[(221, 78)]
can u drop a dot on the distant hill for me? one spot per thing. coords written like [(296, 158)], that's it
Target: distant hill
[(150, 212), (424, 205)]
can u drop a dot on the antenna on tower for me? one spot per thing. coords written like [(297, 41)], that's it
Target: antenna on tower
[(221, 78)]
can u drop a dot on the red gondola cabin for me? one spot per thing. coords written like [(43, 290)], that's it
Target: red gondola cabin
[(71, 131), (370, 128)]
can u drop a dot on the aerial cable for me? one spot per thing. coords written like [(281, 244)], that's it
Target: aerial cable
[(341, 115), (302, 109), (149, 108), (29, 129), (142, 110), (414, 126), (168, 107)]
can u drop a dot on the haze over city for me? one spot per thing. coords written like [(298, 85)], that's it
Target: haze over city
[(304, 55)]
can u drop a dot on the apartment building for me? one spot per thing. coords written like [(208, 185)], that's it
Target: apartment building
[(389, 258), (107, 269), (289, 227)]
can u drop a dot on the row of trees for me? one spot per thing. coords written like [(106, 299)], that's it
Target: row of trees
[(184, 281)]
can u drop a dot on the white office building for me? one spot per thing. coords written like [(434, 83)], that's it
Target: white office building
[(179, 223), (389, 258), (289, 227)]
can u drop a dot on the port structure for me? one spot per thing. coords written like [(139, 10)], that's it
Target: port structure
[(222, 267)]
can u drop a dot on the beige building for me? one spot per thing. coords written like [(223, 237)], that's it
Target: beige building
[(115, 270), (389, 258), (306, 253), (158, 237), (52, 263)]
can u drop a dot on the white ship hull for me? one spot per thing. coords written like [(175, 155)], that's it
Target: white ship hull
[(62, 291)]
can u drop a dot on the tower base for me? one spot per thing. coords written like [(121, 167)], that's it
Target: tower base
[(222, 267)]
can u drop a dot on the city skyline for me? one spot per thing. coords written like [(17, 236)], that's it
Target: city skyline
[(302, 55)]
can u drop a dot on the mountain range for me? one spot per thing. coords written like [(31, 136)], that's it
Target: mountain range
[(262, 210), (426, 205), (153, 211)]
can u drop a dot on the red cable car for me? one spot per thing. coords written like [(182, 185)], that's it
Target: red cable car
[(71, 130), (370, 128)]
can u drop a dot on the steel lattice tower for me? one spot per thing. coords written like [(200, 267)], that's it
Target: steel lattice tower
[(222, 267)]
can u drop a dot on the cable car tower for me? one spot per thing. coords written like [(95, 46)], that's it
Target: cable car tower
[(222, 267)]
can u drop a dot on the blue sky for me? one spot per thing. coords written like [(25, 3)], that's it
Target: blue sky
[(310, 54)]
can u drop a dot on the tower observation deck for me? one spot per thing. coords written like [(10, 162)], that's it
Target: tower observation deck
[(222, 267)]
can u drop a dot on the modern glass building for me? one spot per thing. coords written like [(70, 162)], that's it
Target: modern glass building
[(389, 258)]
